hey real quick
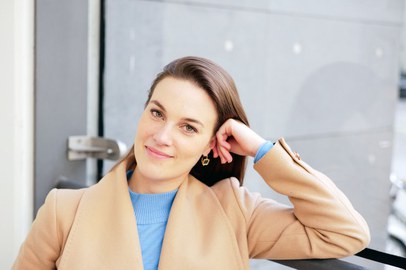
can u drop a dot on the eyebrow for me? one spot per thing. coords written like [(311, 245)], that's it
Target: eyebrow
[(157, 103)]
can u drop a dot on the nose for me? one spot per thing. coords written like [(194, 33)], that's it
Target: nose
[(163, 135)]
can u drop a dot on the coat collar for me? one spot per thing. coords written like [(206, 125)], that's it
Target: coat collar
[(197, 235)]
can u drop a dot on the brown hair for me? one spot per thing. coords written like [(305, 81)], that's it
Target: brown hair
[(219, 85)]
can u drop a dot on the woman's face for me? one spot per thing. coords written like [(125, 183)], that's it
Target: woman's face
[(174, 131)]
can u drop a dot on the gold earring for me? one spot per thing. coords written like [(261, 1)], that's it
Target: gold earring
[(205, 160)]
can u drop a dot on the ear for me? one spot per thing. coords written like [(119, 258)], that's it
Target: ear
[(211, 145)]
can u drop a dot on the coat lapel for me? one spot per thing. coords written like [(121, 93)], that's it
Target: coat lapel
[(198, 234), (104, 233)]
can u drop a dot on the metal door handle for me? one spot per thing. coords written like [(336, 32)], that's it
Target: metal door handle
[(82, 147)]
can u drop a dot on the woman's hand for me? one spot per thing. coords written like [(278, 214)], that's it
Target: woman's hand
[(235, 137)]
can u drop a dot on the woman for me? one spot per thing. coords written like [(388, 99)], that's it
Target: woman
[(176, 199)]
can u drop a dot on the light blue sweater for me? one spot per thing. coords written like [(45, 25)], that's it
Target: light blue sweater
[(151, 212)]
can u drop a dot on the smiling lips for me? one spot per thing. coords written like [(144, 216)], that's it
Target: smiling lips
[(156, 153)]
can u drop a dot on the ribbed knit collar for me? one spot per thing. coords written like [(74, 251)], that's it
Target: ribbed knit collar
[(151, 208)]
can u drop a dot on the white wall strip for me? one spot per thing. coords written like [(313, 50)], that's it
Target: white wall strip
[(93, 62)]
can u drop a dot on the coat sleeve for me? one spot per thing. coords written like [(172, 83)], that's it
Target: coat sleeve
[(49, 231), (321, 224)]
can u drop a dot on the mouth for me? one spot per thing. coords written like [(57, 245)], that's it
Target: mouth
[(156, 153)]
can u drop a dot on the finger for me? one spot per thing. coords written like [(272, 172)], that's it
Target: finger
[(215, 151), (223, 147), (222, 138), (229, 157), (226, 155), (226, 145), (223, 150), (220, 154)]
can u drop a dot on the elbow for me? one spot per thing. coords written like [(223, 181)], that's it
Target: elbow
[(356, 242), (358, 236), (364, 238), (360, 243)]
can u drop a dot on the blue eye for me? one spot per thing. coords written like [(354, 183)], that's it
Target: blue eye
[(190, 129), (156, 113)]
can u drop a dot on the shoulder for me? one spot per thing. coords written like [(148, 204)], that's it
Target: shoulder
[(64, 199), (50, 230), (62, 205)]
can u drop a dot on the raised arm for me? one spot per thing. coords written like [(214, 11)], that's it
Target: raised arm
[(322, 222)]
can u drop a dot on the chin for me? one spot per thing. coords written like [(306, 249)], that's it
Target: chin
[(153, 171)]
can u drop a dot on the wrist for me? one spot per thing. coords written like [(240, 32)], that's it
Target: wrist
[(257, 146)]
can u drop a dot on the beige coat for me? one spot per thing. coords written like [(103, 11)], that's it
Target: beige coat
[(218, 227)]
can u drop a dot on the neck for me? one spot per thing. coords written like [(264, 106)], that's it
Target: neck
[(143, 185)]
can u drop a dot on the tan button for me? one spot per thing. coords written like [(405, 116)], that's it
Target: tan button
[(296, 155)]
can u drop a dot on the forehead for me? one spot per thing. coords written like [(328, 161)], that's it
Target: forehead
[(184, 97)]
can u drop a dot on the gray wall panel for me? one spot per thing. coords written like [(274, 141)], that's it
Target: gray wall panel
[(371, 11), (337, 70), (60, 91), (343, 69)]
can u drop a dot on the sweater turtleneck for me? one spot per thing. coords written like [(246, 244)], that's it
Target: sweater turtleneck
[(152, 213)]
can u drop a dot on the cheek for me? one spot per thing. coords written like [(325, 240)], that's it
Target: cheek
[(192, 148), (144, 128)]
